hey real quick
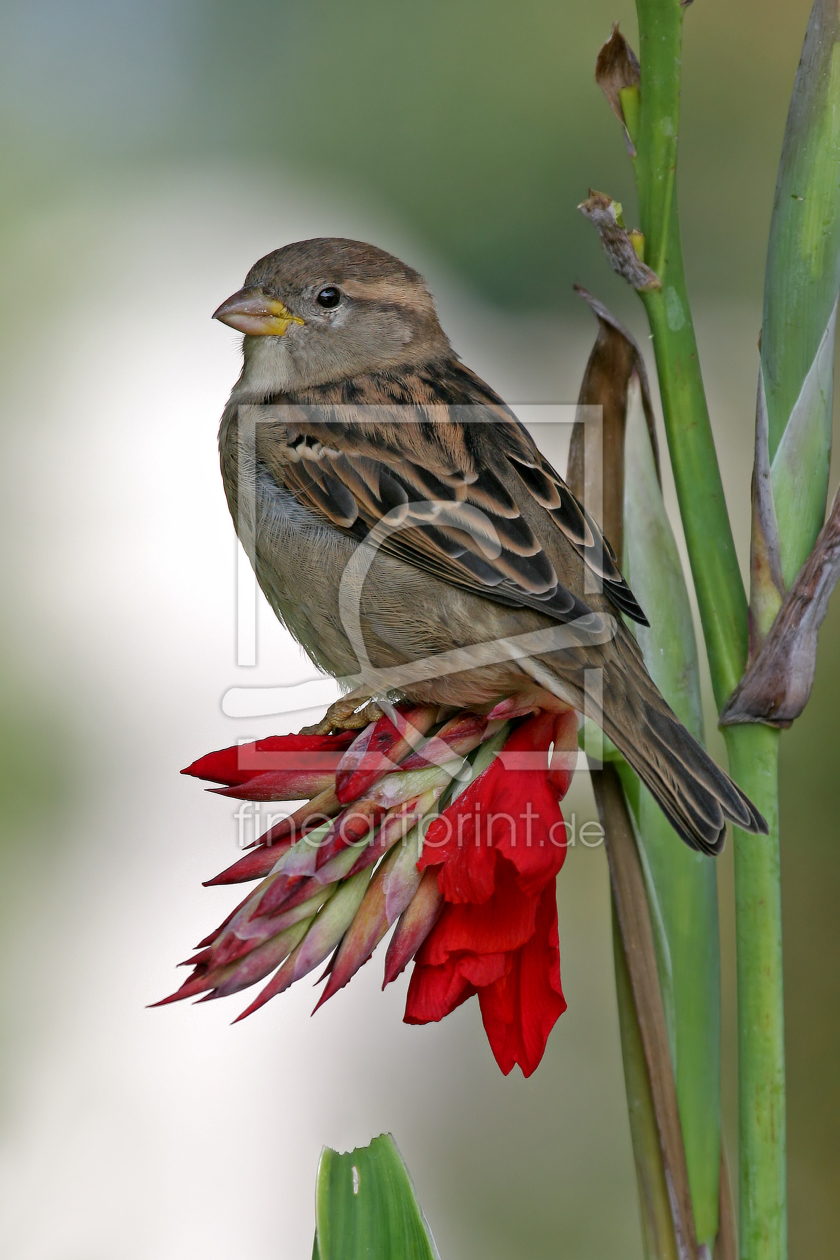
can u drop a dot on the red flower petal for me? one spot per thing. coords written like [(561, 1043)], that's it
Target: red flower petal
[(498, 848), (434, 992), (497, 926), (521, 1008), (509, 809), (454, 842), (483, 971), (477, 949)]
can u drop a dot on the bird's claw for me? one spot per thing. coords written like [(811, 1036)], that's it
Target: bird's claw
[(345, 715)]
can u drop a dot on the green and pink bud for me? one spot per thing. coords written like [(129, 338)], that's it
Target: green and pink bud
[(393, 838)]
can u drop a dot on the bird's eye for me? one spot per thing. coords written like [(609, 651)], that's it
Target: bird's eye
[(329, 297)]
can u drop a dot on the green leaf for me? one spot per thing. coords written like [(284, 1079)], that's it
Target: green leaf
[(366, 1208), (654, 1198), (654, 571), (799, 471), (681, 884), (800, 297)]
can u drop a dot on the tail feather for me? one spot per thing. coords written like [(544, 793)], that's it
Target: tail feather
[(695, 795), (693, 792), (676, 743)]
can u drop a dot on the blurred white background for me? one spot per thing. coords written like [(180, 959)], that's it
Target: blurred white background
[(168, 1133), (150, 153)]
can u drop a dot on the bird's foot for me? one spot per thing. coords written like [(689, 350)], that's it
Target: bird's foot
[(350, 713)]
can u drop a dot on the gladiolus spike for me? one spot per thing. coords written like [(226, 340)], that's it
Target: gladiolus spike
[(254, 865), (378, 750), (304, 904), (348, 862), (397, 826), (363, 935), (212, 937), (350, 830), (331, 924), (458, 737), (414, 926), (308, 817), (403, 877), (279, 785), (279, 983), (202, 980), (229, 945), (323, 936), (476, 911), (396, 789), (197, 960), (242, 762), (262, 960)]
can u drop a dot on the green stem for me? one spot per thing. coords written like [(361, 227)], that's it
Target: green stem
[(708, 534), (753, 756), (723, 612), (711, 549)]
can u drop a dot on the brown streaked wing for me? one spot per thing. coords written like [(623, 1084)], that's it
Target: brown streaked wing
[(459, 518)]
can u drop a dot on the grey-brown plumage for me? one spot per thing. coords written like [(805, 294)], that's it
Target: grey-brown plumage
[(379, 422)]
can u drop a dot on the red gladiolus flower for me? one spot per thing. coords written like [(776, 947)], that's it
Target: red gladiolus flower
[(469, 890), (499, 848)]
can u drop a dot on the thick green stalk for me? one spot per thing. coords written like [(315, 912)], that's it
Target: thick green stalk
[(753, 757), (800, 302), (723, 612), (711, 549), (708, 534)]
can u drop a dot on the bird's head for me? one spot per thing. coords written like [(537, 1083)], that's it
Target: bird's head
[(328, 310)]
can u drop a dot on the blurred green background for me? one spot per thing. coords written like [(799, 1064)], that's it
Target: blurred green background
[(150, 151)]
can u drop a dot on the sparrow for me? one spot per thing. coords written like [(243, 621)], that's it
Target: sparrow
[(399, 517)]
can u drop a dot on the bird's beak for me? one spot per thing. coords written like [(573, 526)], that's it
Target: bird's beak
[(253, 311)]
